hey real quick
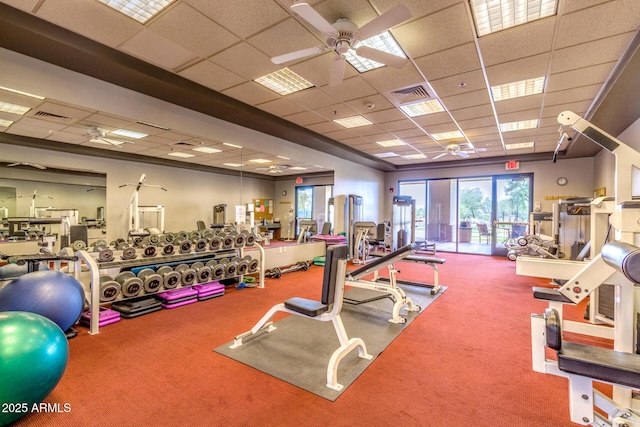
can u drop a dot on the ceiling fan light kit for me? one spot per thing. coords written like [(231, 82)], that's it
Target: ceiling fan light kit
[(344, 36)]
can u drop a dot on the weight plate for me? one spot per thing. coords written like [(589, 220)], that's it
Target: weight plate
[(172, 279), (122, 246), (188, 276), (215, 243), (227, 242), (195, 234), (152, 282), (109, 289), (243, 267), (236, 259), (131, 287), (211, 263), (105, 255), (164, 270), (121, 277), (181, 267), (203, 274), (239, 240), (79, 245), (197, 265), (129, 253), (185, 246), (183, 234), (253, 265), (224, 261), (149, 251), (231, 269), (251, 240), (154, 239), (168, 249), (217, 272), (169, 237), (247, 258)]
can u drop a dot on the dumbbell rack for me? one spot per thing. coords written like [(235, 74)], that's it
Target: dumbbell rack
[(90, 259)]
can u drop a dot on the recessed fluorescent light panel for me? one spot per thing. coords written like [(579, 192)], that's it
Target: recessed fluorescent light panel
[(353, 122), (5, 123), (519, 145), (140, 10), (495, 15), (414, 156), (260, 161), (13, 108), (385, 155), (318, 166), (391, 143), (182, 155), (297, 168), (19, 92), (422, 108), (384, 42), (517, 89), (447, 135), (207, 150), (521, 125), (284, 82), (234, 165), (129, 133), (231, 145), (284, 158)]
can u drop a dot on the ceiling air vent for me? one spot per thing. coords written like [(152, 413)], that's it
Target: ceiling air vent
[(410, 95), (184, 144), (52, 117), (465, 146)]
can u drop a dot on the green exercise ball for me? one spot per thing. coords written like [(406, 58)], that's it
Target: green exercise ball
[(33, 356)]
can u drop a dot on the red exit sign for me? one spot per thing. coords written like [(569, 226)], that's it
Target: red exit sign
[(299, 180), (512, 165)]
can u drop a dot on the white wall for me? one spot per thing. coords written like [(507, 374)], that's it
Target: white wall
[(579, 173)]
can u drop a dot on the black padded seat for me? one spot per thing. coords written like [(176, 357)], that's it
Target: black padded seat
[(588, 361), (550, 294), (307, 307)]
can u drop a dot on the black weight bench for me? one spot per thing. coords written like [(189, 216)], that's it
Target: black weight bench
[(601, 364), (431, 261), (325, 310)]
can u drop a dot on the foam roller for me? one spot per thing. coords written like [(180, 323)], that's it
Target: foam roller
[(109, 289), (130, 284)]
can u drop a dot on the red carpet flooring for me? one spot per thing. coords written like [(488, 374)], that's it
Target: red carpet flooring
[(465, 361)]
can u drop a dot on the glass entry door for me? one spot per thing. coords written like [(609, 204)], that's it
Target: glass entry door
[(513, 198)]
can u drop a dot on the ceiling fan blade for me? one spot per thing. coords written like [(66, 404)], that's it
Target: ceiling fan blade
[(14, 164), (115, 142), (336, 74), (440, 155), (37, 166), (298, 54), (462, 154), (382, 23), (310, 15), (381, 57)]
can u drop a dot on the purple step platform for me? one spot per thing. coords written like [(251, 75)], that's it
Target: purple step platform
[(181, 303), (177, 295), (105, 317)]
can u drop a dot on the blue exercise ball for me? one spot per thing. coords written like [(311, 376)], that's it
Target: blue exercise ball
[(11, 271), (52, 294), (33, 357)]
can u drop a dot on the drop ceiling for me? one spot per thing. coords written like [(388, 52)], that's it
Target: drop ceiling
[(218, 48)]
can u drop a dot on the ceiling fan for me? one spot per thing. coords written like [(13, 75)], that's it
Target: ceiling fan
[(33, 165), (344, 35), (273, 168), (97, 135), (455, 150)]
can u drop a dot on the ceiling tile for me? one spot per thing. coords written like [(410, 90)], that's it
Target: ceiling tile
[(211, 75), (158, 50), (472, 112), (433, 119), (581, 77), (519, 115), (285, 37), (107, 120), (519, 104), (335, 111), (584, 93), (316, 69), (61, 110), (191, 29), (589, 54), (280, 107), (305, 118), (519, 69), (251, 93), (246, 60), (517, 42), (255, 16), (363, 105), (385, 115), (91, 19), (433, 33), (353, 88), (312, 98), (577, 107), (475, 123), (406, 134), (469, 99), (26, 5), (388, 78), (325, 127), (418, 8), (456, 60), (587, 24), (355, 142), (397, 125), (472, 80), (569, 6)]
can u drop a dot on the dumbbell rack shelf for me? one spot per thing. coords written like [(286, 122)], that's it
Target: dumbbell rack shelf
[(96, 268)]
